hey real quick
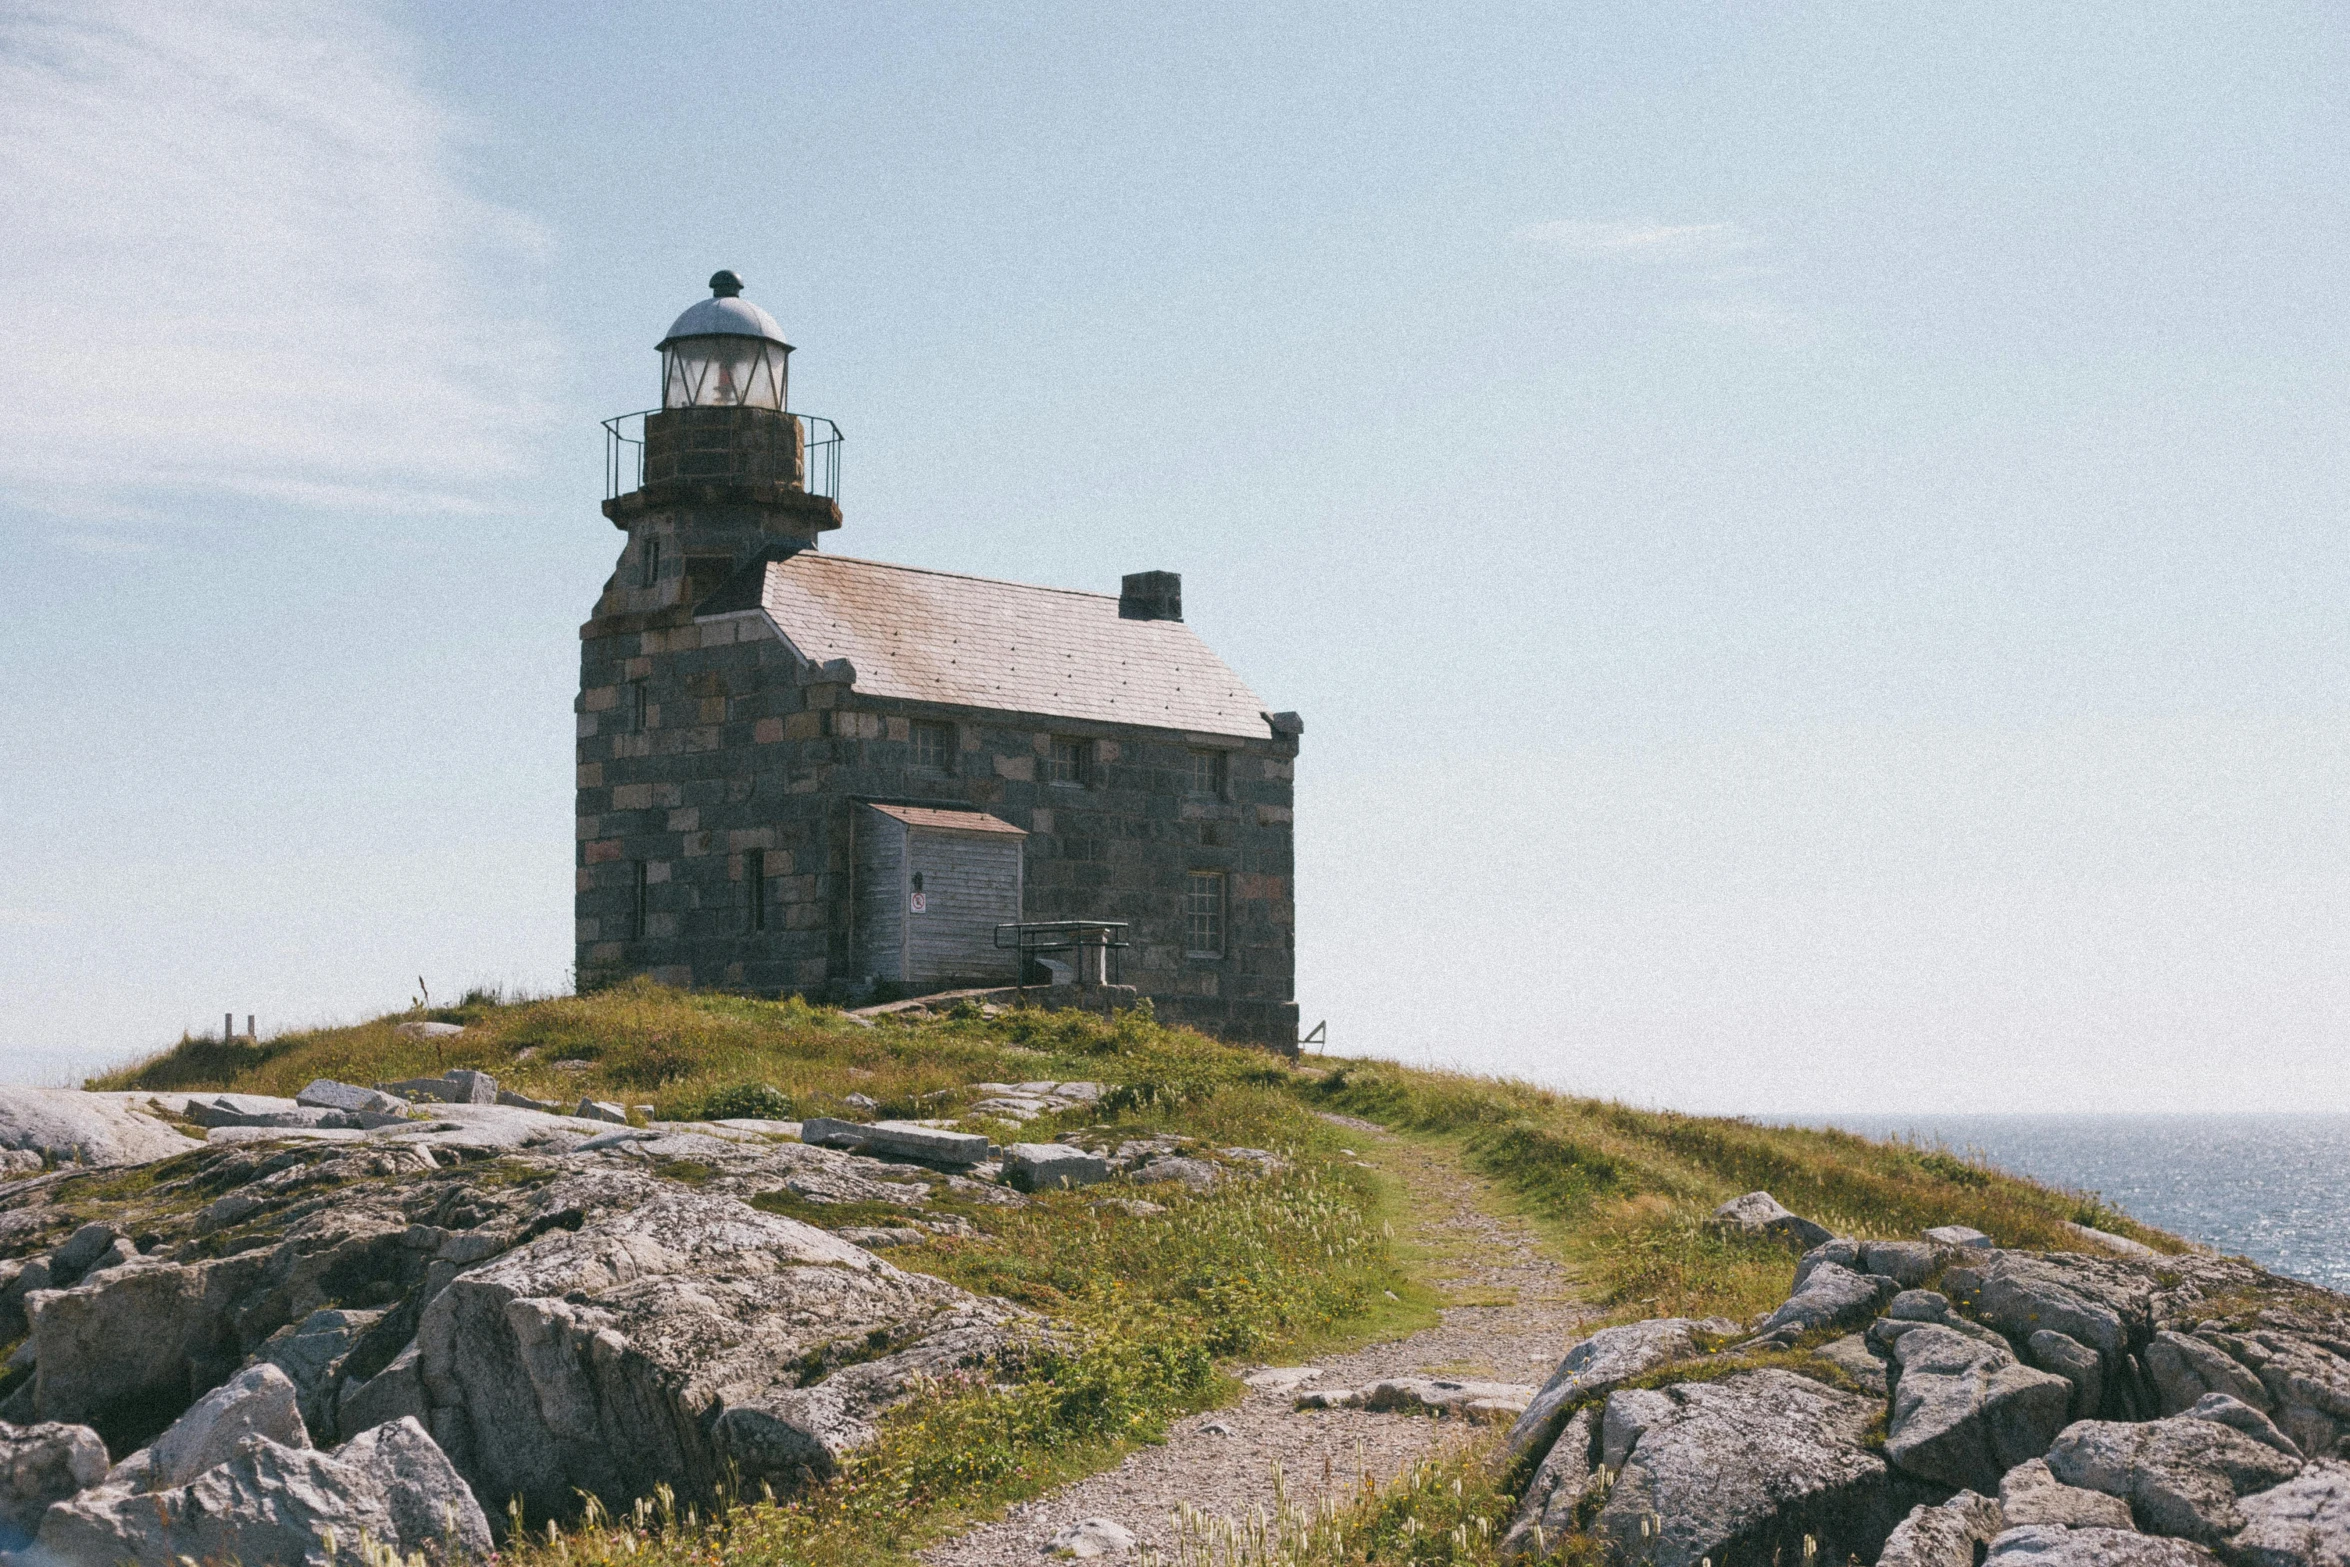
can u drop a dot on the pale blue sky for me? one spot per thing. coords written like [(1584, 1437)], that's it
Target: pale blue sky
[(1808, 540)]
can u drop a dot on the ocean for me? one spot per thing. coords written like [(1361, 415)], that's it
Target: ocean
[(2274, 1188)]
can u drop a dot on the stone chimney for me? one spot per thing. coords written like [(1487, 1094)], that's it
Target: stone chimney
[(1150, 595)]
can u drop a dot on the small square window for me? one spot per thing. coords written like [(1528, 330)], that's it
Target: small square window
[(934, 747), (1203, 915), (1207, 773), (1069, 762), (755, 878)]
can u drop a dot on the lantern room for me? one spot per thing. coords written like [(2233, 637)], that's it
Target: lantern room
[(725, 352)]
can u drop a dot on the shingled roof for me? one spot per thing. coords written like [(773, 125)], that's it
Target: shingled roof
[(933, 636)]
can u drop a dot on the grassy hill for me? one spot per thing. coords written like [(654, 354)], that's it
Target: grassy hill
[(1159, 1306)]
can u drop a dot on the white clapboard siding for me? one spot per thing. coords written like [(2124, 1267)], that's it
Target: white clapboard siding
[(971, 884), (881, 895)]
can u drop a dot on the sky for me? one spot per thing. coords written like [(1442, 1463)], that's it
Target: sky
[(1807, 539)]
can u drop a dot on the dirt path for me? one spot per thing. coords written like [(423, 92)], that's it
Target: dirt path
[(1510, 1319)]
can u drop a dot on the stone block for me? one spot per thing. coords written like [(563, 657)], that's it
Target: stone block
[(767, 731), (897, 1139), (603, 849), (1039, 1166), (687, 820), (1021, 769)]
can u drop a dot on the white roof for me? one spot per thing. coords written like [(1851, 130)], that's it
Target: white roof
[(933, 636), (729, 317)]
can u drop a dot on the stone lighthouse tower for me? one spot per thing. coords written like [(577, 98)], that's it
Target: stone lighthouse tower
[(722, 468)]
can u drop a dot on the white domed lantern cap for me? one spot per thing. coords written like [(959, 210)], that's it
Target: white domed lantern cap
[(725, 352)]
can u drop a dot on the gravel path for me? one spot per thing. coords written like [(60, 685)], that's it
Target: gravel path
[(1513, 1322)]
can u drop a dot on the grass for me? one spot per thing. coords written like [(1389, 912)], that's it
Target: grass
[(1626, 1192), (1152, 1310)]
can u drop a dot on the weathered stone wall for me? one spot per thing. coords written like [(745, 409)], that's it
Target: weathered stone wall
[(736, 754)]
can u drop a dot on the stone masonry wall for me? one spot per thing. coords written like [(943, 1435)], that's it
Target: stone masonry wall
[(735, 754)]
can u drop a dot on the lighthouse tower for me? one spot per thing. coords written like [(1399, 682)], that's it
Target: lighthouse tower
[(724, 470)]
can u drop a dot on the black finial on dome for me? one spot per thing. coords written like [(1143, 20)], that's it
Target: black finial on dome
[(725, 285)]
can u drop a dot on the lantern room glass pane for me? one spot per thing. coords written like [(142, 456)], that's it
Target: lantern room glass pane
[(722, 372)]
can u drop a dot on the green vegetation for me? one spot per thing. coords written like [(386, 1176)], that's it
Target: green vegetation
[(1626, 1192), (1151, 1309)]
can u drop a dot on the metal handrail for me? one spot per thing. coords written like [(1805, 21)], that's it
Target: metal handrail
[(1060, 935), (624, 453)]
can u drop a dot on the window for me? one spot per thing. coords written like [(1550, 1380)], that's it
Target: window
[(1203, 915), (652, 559), (934, 747), (638, 703), (1207, 773), (755, 875), (1068, 762), (636, 900)]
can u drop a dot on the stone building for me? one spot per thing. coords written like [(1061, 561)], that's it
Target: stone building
[(805, 773)]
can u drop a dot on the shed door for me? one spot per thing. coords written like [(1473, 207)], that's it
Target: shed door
[(965, 884)]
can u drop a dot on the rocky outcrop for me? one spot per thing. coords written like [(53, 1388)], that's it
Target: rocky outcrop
[(2180, 1476), (2040, 1545), (1547, 1507), (2303, 1523), (1597, 1364), (1760, 1214), (672, 1334), (1953, 1534), (2030, 1494), (272, 1503), (1737, 1470), (66, 1127), (1964, 1412), (41, 1464), (1830, 1296)]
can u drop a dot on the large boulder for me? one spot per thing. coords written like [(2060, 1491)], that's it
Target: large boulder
[(2044, 1545), (2237, 1415), (258, 1401), (2030, 1494), (1965, 1413), (1953, 1534), (2077, 1363), (312, 1354), (282, 1505), (673, 1336), (127, 1350), (2303, 1523), (2308, 1387), (2184, 1368), (2020, 1293), (1761, 1214), (1753, 1466), (2181, 1476), (66, 1126), (1595, 1365), (1546, 1510), (1831, 1296), (41, 1464)]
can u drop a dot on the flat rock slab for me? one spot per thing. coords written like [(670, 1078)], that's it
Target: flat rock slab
[(899, 1139), (67, 1126), (1601, 1361), (1039, 1166), (2039, 1545)]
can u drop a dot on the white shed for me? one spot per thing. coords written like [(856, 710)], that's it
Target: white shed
[(933, 883)]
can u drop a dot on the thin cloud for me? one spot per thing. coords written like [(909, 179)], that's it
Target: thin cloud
[(1649, 242), (1717, 274), (243, 258)]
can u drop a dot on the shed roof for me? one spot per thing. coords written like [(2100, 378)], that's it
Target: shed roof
[(948, 819), (934, 636)]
